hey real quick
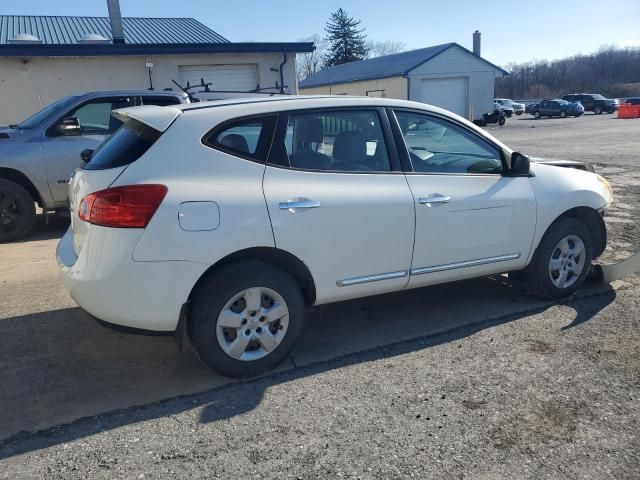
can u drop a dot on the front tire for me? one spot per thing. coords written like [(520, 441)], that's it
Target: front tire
[(597, 110), (563, 114), (562, 260), (536, 114), (17, 211), (246, 318)]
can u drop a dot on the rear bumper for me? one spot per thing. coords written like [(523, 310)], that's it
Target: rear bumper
[(105, 281)]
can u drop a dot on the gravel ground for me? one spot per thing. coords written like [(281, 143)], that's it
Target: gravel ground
[(544, 392)]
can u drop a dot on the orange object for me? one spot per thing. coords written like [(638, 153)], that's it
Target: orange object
[(628, 111)]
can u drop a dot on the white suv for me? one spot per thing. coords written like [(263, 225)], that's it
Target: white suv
[(229, 218)]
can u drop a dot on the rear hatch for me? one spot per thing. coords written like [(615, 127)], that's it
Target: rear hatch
[(141, 128)]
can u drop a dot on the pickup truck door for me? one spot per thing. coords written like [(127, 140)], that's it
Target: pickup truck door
[(471, 220), (61, 153)]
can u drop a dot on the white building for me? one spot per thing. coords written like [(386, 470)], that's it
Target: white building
[(45, 58), (448, 76)]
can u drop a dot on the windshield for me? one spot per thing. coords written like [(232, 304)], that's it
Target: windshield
[(53, 109)]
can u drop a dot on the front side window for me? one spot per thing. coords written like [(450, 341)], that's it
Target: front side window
[(95, 116), (437, 146), (348, 141), (247, 138)]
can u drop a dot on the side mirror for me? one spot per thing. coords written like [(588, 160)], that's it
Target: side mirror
[(69, 126), (86, 155), (520, 164)]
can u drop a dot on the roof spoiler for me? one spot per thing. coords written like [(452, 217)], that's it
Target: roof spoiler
[(158, 118)]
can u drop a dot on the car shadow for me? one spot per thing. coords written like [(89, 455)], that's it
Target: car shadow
[(60, 367)]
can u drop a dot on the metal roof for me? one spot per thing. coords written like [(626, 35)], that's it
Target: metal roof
[(381, 67), (57, 30)]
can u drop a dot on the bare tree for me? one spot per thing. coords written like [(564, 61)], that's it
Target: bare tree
[(387, 47), (604, 71), (310, 63)]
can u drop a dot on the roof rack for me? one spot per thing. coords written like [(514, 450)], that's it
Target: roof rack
[(257, 90)]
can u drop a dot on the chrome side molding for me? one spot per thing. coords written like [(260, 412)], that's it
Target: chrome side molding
[(371, 278), (468, 263)]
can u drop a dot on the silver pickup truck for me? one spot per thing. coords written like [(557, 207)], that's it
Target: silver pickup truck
[(38, 156)]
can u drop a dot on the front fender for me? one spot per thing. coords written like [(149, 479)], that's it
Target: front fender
[(558, 190)]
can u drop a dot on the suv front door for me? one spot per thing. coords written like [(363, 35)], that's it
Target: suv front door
[(339, 201), (470, 219), (61, 153)]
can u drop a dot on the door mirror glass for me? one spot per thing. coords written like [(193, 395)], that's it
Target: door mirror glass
[(69, 126), (520, 164)]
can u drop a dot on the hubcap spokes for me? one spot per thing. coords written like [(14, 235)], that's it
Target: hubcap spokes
[(567, 261), (252, 324)]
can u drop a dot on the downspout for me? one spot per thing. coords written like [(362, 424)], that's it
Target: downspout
[(408, 86), (284, 62)]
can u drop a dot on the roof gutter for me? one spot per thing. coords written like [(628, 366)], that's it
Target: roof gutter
[(86, 50)]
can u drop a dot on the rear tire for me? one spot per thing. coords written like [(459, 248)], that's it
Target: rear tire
[(237, 337), (563, 114), (17, 211), (597, 110), (562, 261)]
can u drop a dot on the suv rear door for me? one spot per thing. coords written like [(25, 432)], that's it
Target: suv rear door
[(338, 200), (61, 153)]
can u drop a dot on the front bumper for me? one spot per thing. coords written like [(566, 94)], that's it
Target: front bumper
[(107, 283)]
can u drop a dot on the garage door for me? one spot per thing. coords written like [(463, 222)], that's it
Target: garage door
[(448, 93), (224, 77)]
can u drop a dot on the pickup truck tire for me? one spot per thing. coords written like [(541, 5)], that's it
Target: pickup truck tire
[(597, 109), (17, 211), (562, 261), (245, 318)]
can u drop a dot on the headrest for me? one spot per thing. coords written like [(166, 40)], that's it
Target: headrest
[(235, 142), (350, 146), (308, 130)]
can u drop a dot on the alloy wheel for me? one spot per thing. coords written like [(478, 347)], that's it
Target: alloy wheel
[(9, 213), (252, 324), (567, 261)]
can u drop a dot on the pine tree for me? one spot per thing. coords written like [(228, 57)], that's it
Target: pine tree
[(347, 42)]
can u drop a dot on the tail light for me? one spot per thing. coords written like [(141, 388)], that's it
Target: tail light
[(131, 206)]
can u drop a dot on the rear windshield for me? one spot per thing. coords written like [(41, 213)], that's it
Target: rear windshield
[(125, 146)]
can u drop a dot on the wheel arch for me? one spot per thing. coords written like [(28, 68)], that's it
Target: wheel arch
[(594, 222), (21, 179), (276, 257)]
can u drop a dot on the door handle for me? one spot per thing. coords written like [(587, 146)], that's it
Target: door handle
[(302, 203), (434, 199)]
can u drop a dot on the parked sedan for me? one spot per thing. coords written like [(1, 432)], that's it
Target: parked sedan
[(557, 108), (282, 204)]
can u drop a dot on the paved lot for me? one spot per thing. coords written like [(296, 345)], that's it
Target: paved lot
[(469, 380)]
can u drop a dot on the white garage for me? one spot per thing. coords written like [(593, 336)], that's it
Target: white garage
[(447, 76)]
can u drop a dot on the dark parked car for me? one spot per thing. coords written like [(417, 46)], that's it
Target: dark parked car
[(593, 102), (632, 101), (556, 108)]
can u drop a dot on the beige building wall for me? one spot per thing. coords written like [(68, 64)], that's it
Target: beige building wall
[(390, 87), (29, 84)]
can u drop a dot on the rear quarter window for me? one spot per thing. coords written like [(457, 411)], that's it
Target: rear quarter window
[(248, 138), (124, 147)]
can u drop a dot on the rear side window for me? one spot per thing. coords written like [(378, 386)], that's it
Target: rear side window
[(248, 138), (125, 146)]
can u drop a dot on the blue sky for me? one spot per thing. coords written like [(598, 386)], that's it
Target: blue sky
[(513, 31)]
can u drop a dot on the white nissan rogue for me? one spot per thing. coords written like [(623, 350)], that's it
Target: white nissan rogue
[(229, 218)]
